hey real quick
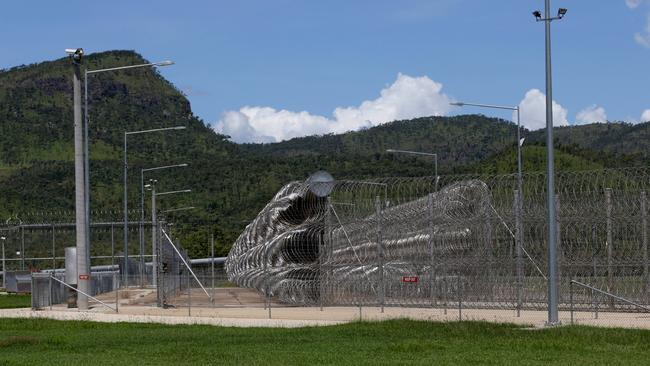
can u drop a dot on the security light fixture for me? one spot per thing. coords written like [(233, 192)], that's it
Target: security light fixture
[(538, 15), (561, 12)]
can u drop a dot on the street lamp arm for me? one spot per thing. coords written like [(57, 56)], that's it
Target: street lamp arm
[(165, 167), (179, 209), (411, 152), (173, 192), (461, 104), (155, 130), (162, 63)]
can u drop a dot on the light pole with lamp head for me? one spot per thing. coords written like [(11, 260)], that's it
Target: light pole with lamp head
[(82, 180), (126, 214), (142, 171), (520, 141), (154, 222), (553, 291), (81, 211)]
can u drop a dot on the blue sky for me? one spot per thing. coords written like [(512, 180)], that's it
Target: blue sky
[(251, 67)]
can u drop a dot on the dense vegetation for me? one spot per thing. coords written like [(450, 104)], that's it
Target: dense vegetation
[(395, 342), (232, 182)]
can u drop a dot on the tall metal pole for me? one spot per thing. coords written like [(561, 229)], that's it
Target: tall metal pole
[(142, 262), (80, 194), (154, 229), (553, 316), (126, 220), (86, 167)]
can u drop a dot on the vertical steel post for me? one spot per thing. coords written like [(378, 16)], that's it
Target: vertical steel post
[(380, 251), (609, 244), (330, 248), (126, 219), (460, 299), (432, 271), (116, 279), (189, 290), (571, 297), (212, 261), (594, 240), (558, 240), (519, 250), (143, 265), (553, 316), (4, 265), (80, 194), (22, 248), (644, 239), (86, 144), (50, 285), (53, 250), (154, 239)]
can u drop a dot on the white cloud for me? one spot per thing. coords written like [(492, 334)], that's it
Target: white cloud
[(643, 38), (533, 111), (645, 116), (591, 114), (633, 4), (408, 97)]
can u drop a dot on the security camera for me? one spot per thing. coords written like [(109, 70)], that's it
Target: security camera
[(75, 53)]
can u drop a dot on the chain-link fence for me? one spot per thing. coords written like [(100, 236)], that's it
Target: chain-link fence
[(471, 244), (444, 241)]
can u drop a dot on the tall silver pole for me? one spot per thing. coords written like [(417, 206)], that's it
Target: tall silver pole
[(126, 221), (553, 316), (80, 194), (87, 166), (519, 213), (154, 229), (143, 266)]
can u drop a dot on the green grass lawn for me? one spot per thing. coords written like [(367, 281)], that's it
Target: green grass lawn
[(51, 342), (10, 301)]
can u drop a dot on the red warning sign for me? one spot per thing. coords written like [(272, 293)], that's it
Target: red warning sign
[(84, 277), (410, 279)]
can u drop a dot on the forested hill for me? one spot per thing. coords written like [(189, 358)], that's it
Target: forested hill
[(230, 182)]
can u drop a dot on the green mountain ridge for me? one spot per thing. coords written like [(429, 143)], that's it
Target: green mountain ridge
[(232, 182)]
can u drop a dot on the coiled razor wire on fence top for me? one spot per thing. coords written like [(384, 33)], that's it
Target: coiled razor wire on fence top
[(435, 241)]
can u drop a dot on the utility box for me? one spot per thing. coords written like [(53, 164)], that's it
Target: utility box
[(71, 275)]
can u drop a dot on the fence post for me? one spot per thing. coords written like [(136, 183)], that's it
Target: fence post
[(22, 248), (53, 249), (644, 239), (432, 272), (321, 255), (518, 245), (558, 244), (50, 285), (460, 300), (380, 248), (609, 244), (189, 294), (116, 277), (212, 261), (571, 297)]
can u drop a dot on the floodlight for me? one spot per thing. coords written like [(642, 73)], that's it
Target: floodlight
[(537, 14), (561, 12)]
